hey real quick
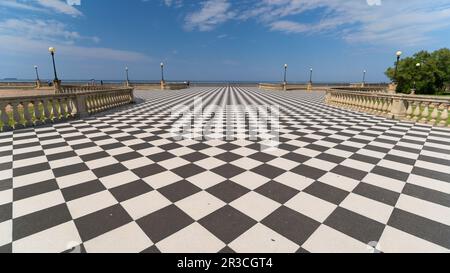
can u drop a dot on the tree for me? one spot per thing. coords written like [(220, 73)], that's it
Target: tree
[(431, 77)]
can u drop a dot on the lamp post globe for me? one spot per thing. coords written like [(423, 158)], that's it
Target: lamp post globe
[(285, 72), (162, 71), (398, 54), (310, 75)]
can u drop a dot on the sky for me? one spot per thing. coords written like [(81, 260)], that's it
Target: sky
[(217, 40)]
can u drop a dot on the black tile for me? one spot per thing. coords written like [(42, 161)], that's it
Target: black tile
[(102, 221), (296, 157), (227, 223), (178, 191), (316, 147), (170, 146), (71, 169), (109, 170), (164, 222), (376, 193), (194, 157), (31, 169), (228, 170), (141, 146), (226, 250), (228, 157), (309, 172), (199, 146), (228, 191), (355, 225), (349, 172), (188, 170), (130, 190), (416, 225), (432, 174), (35, 189), (161, 156), (268, 171), (400, 159), (391, 173), (41, 220), (277, 191), (5, 212), (365, 158), (81, 190), (228, 147), (94, 156), (331, 158), (58, 156), (327, 192), (151, 250), (6, 184), (427, 194), (262, 157), (6, 166), (127, 156), (6, 249), (291, 224), (28, 155)]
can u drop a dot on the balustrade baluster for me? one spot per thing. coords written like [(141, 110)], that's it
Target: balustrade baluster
[(26, 113), (410, 110), (47, 112), (5, 117), (417, 112), (37, 112), (444, 115), (425, 113)]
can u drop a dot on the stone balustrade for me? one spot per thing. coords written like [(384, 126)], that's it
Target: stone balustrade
[(20, 112), (381, 89), (67, 89), (432, 110)]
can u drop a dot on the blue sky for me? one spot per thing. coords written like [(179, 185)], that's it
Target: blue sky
[(217, 39)]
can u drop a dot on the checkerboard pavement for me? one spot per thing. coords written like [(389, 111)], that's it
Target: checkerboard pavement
[(340, 181)]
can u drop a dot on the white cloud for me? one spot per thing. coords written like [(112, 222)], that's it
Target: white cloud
[(374, 2), (407, 22), (60, 6), (49, 30), (211, 14)]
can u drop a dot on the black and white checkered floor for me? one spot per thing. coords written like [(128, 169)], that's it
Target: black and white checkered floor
[(340, 181)]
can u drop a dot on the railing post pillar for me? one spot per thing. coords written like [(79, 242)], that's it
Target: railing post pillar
[(398, 108), (81, 106)]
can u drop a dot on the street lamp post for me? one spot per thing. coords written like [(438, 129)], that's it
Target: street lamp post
[(310, 79), (399, 54), (364, 78), (285, 77), (413, 91), (128, 79), (162, 75), (56, 81), (38, 81), (393, 86)]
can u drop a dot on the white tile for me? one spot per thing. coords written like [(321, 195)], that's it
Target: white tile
[(209, 163), (5, 232), (162, 179), (200, 205), (395, 166), (328, 240), (145, 204), (433, 166), (37, 203), (173, 163), (261, 239), (119, 151), (89, 150), (307, 152), (32, 178), (320, 164), (65, 162), (395, 241), (91, 203), (75, 179), (294, 180), (181, 151), (6, 196), (384, 182), (429, 183), (250, 180), (367, 207), (54, 240), (119, 179), (339, 181), (284, 164), (29, 161), (311, 206), (359, 165), (246, 163), (137, 163), (191, 239), (102, 162), (206, 179), (126, 239), (255, 205), (148, 151), (425, 209)]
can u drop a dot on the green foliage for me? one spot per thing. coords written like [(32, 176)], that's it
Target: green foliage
[(432, 77)]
